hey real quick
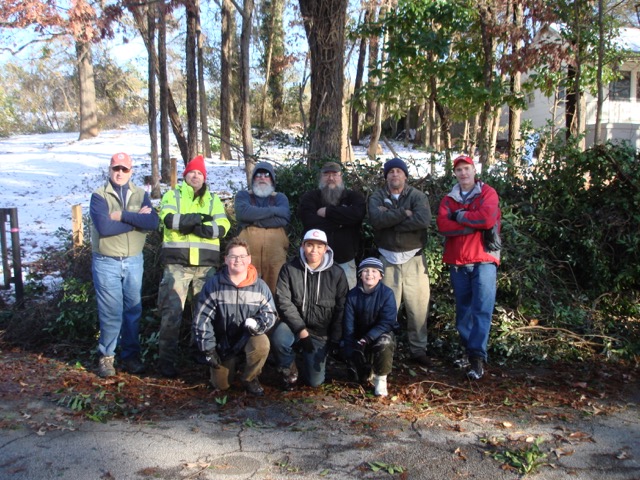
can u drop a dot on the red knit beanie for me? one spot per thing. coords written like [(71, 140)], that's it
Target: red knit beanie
[(197, 163)]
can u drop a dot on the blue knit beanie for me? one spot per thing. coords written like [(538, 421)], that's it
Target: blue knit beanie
[(395, 163), (371, 262)]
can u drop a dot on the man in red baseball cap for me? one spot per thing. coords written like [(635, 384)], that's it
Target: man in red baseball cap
[(469, 219)]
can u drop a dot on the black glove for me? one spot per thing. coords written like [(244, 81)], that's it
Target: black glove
[(207, 218), (212, 358), (454, 215), (188, 222), (306, 344)]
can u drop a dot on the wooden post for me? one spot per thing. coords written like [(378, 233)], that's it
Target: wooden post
[(174, 172), (76, 226)]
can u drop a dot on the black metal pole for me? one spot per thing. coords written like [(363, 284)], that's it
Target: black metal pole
[(6, 269), (15, 250)]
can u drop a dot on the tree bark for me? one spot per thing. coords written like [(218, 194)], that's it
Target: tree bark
[(87, 88), (153, 127), (192, 79), (165, 167), (172, 110), (225, 81), (245, 92), (202, 91), (355, 115), (324, 23)]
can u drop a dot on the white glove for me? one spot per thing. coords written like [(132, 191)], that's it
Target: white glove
[(251, 324)]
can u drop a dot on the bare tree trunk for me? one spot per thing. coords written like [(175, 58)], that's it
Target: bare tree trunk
[(487, 21), (355, 115), (372, 150), (324, 24), (515, 113), (202, 91), (245, 93), (172, 110), (165, 167), (153, 126), (87, 88), (600, 99), (225, 81), (192, 79), (303, 86), (374, 50)]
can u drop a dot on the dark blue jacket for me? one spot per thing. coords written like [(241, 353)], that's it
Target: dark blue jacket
[(368, 315)]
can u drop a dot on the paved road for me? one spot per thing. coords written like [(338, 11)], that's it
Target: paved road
[(321, 437)]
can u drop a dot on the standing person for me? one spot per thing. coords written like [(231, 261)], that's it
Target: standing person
[(194, 222), (235, 309), (369, 325), (338, 212), (263, 215), (121, 216), (310, 299), (400, 215), (469, 219)]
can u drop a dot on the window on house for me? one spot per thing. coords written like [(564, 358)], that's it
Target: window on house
[(620, 89)]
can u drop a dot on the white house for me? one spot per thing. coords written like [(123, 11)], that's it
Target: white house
[(620, 118)]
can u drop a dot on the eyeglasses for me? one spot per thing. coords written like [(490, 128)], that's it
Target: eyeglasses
[(120, 168), (234, 258), (263, 175), (332, 174)]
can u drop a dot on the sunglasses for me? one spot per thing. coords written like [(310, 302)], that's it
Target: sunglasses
[(120, 168), (262, 175)]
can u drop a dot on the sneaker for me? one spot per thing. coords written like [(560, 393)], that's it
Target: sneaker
[(133, 365), (462, 362), (105, 367), (168, 370), (476, 371), (422, 360), (380, 386), (253, 387)]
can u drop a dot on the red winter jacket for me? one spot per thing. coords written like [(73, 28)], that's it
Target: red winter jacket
[(463, 236)]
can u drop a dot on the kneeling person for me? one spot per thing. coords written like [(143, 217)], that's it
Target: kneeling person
[(310, 295), (234, 311), (368, 326)]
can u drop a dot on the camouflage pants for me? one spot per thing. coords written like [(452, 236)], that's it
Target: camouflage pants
[(172, 295)]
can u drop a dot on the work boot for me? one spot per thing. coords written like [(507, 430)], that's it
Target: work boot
[(105, 367), (253, 387), (133, 365), (380, 386), (168, 369), (422, 360), (476, 371)]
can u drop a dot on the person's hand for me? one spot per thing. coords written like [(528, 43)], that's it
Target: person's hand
[(145, 210), (188, 222), (454, 215), (116, 216), (408, 213), (212, 358), (306, 344), (322, 212), (251, 325), (362, 343)]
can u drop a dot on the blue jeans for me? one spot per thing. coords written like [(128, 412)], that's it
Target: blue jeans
[(118, 284), (313, 363), (474, 288)]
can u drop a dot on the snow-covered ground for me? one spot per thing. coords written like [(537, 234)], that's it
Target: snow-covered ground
[(43, 176)]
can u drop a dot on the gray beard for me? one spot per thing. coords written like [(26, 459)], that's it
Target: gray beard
[(263, 191), (331, 196)]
